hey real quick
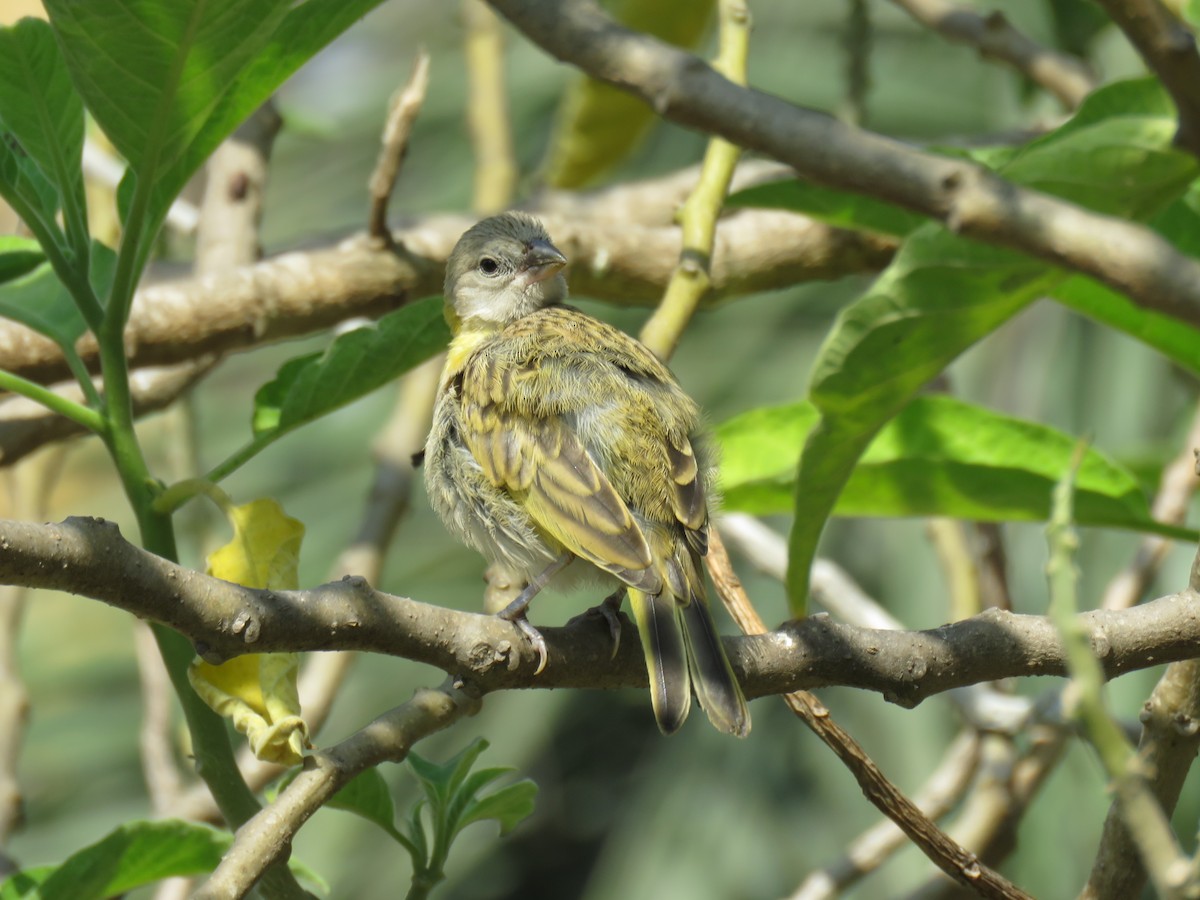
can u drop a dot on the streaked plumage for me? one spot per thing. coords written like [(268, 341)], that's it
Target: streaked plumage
[(556, 433)]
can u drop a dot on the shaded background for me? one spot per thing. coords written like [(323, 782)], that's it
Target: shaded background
[(622, 811)]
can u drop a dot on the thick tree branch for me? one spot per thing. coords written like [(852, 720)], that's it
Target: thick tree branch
[(89, 557), (967, 198), (302, 292)]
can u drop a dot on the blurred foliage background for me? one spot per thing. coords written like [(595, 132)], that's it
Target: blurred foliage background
[(622, 812)]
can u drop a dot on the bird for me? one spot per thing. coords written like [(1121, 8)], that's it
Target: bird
[(557, 441)]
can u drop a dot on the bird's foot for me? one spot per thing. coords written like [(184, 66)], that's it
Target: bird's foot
[(609, 609), (517, 617)]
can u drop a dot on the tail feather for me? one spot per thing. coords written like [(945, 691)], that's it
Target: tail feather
[(716, 686), (666, 652)]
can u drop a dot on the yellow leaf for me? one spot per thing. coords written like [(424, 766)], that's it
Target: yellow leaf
[(257, 692), (265, 550), (599, 125)]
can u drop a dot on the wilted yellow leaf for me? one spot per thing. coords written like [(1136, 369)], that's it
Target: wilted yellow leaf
[(257, 692)]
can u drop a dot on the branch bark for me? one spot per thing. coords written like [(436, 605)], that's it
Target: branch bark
[(89, 557), (967, 198), (1065, 76), (303, 292), (1169, 49)]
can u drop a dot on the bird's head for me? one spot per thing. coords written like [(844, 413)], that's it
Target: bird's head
[(501, 269)]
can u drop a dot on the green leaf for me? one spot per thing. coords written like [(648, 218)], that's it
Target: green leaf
[(509, 806), (39, 300), (942, 293), (355, 364), (135, 854), (41, 110), (18, 256), (28, 190), (306, 29), (840, 208), (1115, 155), (599, 125), (442, 781), (938, 457), (152, 72), (367, 795), (1178, 341), (25, 884)]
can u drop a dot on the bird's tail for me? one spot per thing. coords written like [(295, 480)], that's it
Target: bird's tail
[(683, 651), (716, 686), (666, 652)]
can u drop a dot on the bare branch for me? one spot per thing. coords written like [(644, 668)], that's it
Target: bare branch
[(402, 114), (870, 850), (1065, 76), (1169, 49), (967, 198), (302, 292), (89, 557)]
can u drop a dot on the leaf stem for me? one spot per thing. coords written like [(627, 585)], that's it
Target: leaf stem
[(76, 412)]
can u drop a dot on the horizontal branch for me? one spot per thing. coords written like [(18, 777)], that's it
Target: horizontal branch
[(627, 262), (966, 197), (89, 557)]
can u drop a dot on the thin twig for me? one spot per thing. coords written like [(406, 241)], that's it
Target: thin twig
[(1179, 482), (875, 846), (856, 41), (1142, 814), (402, 114), (1065, 76), (954, 860)]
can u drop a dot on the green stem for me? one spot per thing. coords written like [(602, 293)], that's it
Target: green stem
[(240, 457), (77, 413)]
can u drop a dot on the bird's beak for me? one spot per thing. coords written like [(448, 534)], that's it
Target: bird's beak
[(541, 261)]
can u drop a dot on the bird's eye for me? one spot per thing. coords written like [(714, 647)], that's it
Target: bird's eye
[(489, 266)]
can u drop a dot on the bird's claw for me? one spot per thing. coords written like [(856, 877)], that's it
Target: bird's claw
[(610, 611), (533, 636)]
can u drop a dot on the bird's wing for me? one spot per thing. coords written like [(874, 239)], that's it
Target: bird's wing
[(542, 463)]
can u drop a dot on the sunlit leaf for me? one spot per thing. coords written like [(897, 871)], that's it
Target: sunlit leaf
[(938, 457), (942, 293), (355, 363), (41, 110)]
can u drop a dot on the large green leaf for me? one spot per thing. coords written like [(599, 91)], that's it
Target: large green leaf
[(942, 293), (938, 457), (306, 29), (152, 72), (355, 364), (39, 300), (1179, 223), (41, 110)]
